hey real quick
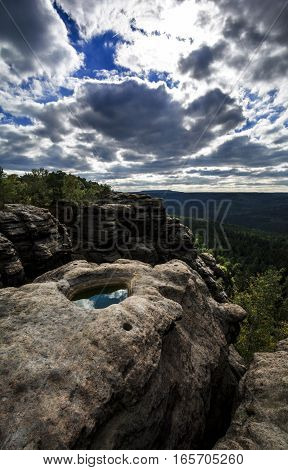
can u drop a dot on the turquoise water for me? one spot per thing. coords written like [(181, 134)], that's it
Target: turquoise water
[(101, 297)]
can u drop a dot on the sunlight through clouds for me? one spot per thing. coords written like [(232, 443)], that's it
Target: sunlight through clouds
[(149, 94)]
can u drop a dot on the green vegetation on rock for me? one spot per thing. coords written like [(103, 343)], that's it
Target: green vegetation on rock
[(255, 264), (43, 188), (267, 313)]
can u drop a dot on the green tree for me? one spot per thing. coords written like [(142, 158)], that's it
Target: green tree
[(38, 189), (73, 189), (43, 188), (55, 182), (95, 191), (14, 190), (267, 314)]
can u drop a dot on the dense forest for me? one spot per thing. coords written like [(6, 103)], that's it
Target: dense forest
[(261, 211), (255, 264), (44, 188)]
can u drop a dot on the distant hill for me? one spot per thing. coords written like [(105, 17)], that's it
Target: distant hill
[(262, 211)]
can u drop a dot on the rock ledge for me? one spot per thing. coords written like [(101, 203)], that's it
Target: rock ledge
[(76, 378), (261, 421)]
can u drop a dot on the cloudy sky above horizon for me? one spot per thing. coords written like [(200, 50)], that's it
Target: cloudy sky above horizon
[(188, 95)]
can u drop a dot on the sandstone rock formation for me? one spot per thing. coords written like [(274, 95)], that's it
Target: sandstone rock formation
[(261, 421), (118, 227), (31, 239), (153, 372), (11, 269), (128, 226), (135, 226)]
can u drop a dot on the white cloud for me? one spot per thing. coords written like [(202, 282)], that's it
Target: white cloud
[(97, 17), (133, 133), (34, 41)]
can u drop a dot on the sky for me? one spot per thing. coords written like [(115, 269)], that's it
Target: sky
[(185, 95)]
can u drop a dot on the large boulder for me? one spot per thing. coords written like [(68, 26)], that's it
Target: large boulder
[(38, 241), (155, 371), (261, 421), (11, 269), (135, 226), (118, 227)]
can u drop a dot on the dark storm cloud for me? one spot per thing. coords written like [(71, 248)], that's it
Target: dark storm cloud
[(217, 172), (163, 166), (15, 145), (129, 157), (219, 107), (273, 63), (148, 121), (51, 160), (14, 142), (133, 127), (239, 29), (54, 122), (241, 152), (133, 114), (258, 16), (199, 62), (16, 162), (272, 67), (274, 173), (253, 24), (281, 140), (134, 118), (209, 103), (32, 38), (104, 153), (53, 119), (247, 173), (55, 158)]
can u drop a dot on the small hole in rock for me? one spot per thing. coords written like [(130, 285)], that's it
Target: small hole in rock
[(127, 326)]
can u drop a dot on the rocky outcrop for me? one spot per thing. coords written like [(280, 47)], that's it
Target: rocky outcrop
[(134, 226), (130, 226), (153, 372), (32, 240), (11, 269), (126, 226), (261, 420)]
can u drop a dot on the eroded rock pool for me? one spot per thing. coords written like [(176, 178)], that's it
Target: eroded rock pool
[(101, 297)]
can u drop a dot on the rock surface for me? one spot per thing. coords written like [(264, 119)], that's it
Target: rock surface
[(135, 226), (11, 269), (153, 372), (33, 240), (261, 420)]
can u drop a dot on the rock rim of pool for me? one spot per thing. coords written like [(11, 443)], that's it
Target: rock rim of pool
[(151, 372)]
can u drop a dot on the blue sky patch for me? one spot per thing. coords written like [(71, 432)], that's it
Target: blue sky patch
[(7, 118), (253, 97), (65, 91), (275, 113), (272, 95), (155, 77), (71, 25), (248, 125), (99, 54)]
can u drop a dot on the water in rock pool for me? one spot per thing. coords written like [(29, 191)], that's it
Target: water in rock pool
[(101, 297)]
